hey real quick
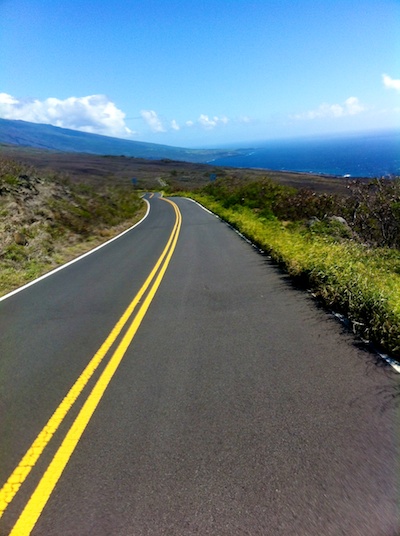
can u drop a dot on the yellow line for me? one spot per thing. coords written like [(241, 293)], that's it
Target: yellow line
[(20, 473), (41, 495)]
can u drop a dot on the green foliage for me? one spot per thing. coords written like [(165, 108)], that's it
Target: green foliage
[(305, 204), (372, 209), (359, 281), (15, 253), (10, 180), (87, 209), (259, 196), (271, 199), (331, 229)]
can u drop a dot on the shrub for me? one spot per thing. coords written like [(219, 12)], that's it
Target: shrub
[(55, 215), (361, 282), (373, 211)]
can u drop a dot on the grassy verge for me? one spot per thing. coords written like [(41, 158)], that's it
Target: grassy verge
[(46, 221), (360, 282), (23, 267)]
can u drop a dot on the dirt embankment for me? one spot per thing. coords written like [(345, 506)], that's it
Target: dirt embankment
[(46, 220)]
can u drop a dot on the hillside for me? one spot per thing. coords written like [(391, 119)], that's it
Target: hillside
[(46, 220), (64, 203), (97, 169), (27, 134)]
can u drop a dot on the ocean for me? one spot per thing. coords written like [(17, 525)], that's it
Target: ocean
[(359, 155)]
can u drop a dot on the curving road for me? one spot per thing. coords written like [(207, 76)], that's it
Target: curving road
[(174, 383)]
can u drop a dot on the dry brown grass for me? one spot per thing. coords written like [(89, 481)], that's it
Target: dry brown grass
[(46, 221)]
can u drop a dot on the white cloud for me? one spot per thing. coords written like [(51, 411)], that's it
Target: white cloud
[(390, 83), (244, 119), (152, 120), (7, 100), (94, 113), (174, 125), (208, 123), (351, 106)]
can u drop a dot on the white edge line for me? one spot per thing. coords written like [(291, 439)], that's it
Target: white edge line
[(392, 362), (389, 360), (201, 206), (228, 224), (48, 274)]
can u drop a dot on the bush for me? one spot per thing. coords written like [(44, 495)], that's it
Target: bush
[(57, 217), (360, 282), (372, 209)]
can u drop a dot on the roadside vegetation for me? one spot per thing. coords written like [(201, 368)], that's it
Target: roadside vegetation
[(46, 220), (344, 248), (342, 243)]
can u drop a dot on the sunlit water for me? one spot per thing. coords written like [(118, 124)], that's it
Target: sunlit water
[(368, 155)]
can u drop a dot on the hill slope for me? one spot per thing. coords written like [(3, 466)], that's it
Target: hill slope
[(46, 220), (27, 134)]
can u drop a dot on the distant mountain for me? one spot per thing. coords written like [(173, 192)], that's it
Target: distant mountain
[(62, 139)]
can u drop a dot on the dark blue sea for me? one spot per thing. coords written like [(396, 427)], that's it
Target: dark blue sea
[(358, 155)]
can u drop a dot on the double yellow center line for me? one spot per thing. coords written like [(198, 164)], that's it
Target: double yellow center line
[(41, 495)]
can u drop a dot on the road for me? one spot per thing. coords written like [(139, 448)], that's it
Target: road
[(174, 382)]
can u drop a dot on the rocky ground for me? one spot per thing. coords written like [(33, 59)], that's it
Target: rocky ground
[(46, 220)]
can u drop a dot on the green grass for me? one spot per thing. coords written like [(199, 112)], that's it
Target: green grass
[(360, 282)]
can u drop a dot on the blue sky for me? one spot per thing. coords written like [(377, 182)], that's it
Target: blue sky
[(202, 72)]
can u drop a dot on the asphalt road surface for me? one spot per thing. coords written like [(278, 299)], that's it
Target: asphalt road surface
[(174, 383)]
